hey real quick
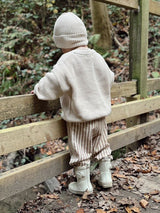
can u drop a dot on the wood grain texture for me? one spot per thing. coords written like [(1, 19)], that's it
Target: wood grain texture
[(21, 105), (133, 108), (125, 89), (138, 49), (154, 8), (129, 4), (20, 137), (133, 4), (153, 84), (132, 134)]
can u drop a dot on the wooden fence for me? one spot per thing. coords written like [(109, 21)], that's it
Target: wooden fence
[(20, 137)]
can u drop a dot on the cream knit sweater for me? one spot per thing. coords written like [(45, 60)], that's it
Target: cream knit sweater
[(82, 80)]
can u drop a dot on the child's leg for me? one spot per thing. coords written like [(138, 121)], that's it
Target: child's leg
[(102, 152), (80, 151), (86, 140), (101, 147), (79, 137)]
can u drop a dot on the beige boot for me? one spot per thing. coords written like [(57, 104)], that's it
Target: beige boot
[(105, 178), (83, 180)]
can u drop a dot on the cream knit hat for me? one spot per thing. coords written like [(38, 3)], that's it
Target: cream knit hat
[(69, 31)]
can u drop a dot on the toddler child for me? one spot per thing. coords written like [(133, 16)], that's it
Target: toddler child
[(82, 80)]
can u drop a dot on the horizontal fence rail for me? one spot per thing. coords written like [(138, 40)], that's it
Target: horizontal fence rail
[(153, 84), (20, 137), (133, 4), (21, 105), (23, 136), (133, 108), (24, 177)]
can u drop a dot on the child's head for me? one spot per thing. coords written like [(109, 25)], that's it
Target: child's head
[(69, 31)]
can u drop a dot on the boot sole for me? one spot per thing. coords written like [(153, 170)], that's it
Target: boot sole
[(80, 192), (109, 185)]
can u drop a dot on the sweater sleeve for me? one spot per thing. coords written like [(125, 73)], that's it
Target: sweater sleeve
[(112, 77), (111, 74), (48, 87)]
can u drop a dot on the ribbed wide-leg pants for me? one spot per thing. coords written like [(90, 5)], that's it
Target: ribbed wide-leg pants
[(88, 140)]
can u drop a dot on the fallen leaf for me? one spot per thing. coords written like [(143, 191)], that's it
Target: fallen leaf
[(80, 211), (154, 152), (130, 187), (124, 186), (51, 196), (154, 168), (112, 210), (49, 153), (42, 151), (147, 197), (156, 200), (130, 159), (85, 195), (1, 165), (77, 199), (67, 148), (135, 209), (146, 147), (119, 176), (105, 197), (125, 201), (112, 198), (136, 167), (79, 204), (143, 203), (155, 192), (128, 210), (100, 211), (145, 171), (157, 171)]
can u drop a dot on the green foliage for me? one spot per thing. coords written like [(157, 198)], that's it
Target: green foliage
[(15, 37), (94, 39), (118, 15), (27, 50), (119, 153), (155, 74), (26, 46)]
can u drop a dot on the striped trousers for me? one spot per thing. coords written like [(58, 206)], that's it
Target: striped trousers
[(88, 140)]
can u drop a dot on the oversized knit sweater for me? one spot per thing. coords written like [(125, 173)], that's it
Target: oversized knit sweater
[(82, 80)]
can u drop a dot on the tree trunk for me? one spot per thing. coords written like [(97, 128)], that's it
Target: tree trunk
[(101, 24)]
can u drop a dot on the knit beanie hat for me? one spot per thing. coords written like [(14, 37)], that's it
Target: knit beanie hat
[(69, 31)]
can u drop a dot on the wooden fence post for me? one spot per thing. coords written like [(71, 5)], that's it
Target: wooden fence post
[(138, 58)]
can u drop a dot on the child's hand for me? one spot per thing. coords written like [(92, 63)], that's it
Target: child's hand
[(32, 92)]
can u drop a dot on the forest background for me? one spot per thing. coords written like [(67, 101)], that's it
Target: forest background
[(27, 52)]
